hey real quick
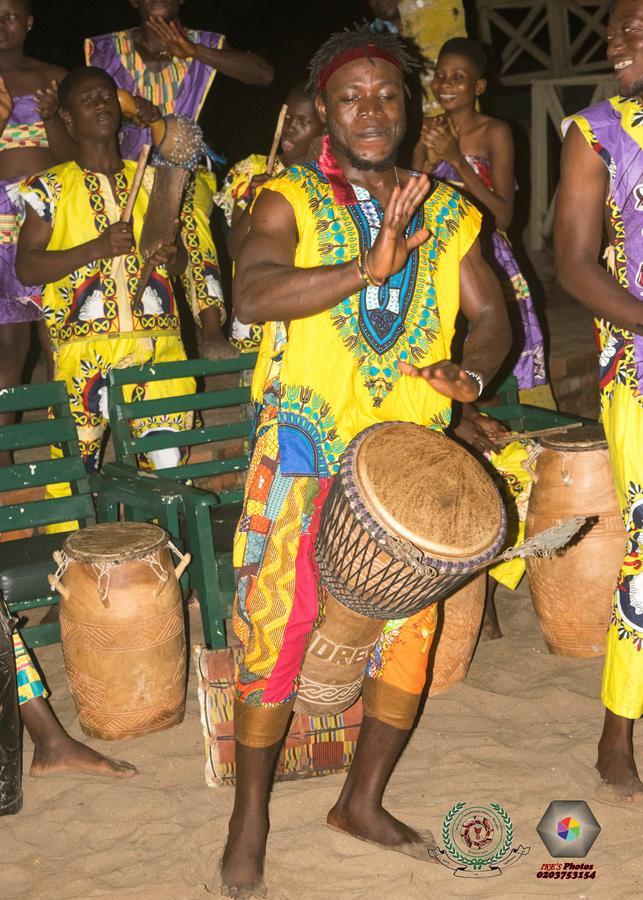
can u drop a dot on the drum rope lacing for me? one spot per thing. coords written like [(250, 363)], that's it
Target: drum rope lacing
[(103, 569)]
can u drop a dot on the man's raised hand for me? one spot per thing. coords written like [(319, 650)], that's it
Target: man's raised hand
[(391, 248)]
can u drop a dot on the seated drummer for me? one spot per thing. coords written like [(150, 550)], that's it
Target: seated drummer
[(55, 752), (74, 242), (370, 267)]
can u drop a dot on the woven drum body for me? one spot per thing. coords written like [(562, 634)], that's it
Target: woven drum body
[(333, 671), (572, 593), (456, 640), (122, 630), (410, 516)]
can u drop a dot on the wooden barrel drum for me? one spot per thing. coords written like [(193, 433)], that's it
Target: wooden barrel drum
[(572, 592), (410, 517), (122, 629)]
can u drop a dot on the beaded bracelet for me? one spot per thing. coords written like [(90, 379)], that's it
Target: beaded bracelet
[(364, 271)]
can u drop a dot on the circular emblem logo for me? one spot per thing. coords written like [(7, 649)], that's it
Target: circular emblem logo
[(477, 836), (477, 832)]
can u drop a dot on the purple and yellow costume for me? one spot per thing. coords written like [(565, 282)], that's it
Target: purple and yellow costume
[(529, 370), (614, 130), (23, 130), (179, 88)]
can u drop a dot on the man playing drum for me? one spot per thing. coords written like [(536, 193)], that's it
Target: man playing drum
[(601, 185), (368, 265)]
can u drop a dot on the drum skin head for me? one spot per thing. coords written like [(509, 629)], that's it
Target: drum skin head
[(426, 489), (117, 542), (589, 437)]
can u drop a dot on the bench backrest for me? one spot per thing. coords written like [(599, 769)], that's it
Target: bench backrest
[(228, 395), (32, 435)]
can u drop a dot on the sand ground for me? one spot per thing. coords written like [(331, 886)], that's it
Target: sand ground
[(521, 731)]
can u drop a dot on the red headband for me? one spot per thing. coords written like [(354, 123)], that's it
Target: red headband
[(368, 51)]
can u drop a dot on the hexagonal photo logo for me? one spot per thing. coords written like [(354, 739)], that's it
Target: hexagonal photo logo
[(568, 829)]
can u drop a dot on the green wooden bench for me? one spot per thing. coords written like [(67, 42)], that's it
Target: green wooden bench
[(519, 416), (208, 518), (26, 562)]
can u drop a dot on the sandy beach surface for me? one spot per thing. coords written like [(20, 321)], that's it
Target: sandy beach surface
[(521, 732)]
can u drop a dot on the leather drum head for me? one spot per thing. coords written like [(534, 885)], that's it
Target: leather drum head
[(589, 437), (114, 543), (426, 489)]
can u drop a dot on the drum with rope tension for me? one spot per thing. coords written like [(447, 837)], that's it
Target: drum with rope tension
[(410, 518), (122, 628)]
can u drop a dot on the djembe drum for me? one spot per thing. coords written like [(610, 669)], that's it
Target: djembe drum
[(572, 592), (410, 517), (122, 629)]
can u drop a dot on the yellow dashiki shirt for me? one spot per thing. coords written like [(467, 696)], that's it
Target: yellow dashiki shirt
[(614, 131), (337, 370), (91, 316), (96, 301), (235, 192)]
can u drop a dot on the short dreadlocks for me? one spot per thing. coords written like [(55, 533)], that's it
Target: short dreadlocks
[(353, 39)]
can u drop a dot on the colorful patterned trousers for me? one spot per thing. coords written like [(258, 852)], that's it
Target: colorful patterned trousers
[(30, 687), (279, 603)]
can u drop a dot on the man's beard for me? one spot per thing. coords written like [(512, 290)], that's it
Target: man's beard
[(634, 90), (367, 165)]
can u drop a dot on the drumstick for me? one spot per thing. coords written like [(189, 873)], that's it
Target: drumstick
[(126, 215), (523, 435), (276, 139), (136, 183)]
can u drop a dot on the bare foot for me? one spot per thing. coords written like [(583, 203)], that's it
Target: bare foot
[(70, 756), (618, 770), (615, 763), (243, 859), (377, 826)]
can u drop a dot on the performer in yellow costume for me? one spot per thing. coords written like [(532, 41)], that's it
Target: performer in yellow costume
[(74, 242), (601, 183), (369, 265)]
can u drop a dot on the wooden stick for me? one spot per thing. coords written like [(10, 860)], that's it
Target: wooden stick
[(136, 183), (522, 435), (276, 139)]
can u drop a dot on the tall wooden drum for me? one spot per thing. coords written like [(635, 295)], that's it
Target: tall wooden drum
[(572, 592), (122, 629)]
